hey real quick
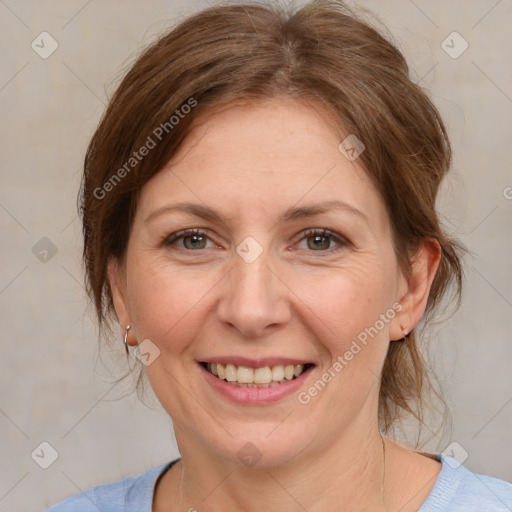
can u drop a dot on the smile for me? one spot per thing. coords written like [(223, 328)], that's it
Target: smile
[(262, 377)]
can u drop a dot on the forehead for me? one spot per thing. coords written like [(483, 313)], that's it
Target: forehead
[(266, 137), (261, 158)]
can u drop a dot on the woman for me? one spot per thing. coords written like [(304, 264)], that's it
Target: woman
[(258, 210)]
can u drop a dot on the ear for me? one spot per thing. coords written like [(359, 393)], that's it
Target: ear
[(425, 264), (117, 281)]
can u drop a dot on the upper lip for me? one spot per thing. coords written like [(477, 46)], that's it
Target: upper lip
[(255, 362)]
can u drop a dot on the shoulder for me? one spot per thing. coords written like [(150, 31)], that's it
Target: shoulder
[(460, 490), (133, 493)]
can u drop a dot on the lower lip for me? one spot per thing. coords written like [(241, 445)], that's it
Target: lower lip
[(254, 396)]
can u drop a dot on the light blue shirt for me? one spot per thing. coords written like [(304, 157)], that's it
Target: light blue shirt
[(456, 490)]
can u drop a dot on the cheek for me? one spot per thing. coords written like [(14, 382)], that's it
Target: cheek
[(341, 303), (165, 304), (171, 305)]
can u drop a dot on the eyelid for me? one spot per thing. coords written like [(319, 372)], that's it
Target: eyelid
[(323, 232), (184, 233), (303, 235)]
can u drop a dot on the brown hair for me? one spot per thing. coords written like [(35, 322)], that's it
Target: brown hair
[(230, 54)]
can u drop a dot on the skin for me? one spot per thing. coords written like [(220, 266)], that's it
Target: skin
[(250, 163)]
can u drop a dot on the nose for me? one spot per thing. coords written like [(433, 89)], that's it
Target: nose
[(254, 300)]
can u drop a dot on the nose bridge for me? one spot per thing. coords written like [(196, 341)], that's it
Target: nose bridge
[(253, 279), (253, 299)]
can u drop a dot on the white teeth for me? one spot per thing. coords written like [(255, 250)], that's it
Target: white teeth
[(265, 376), (278, 373), (231, 375), (245, 375)]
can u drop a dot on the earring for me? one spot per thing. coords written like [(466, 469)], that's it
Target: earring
[(128, 327), (405, 333)]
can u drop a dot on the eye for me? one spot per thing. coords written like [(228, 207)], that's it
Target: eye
[(193, 239), (320, 240)]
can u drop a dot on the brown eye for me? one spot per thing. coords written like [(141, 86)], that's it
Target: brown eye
[(196, 242), (193, 239), (321, 240)]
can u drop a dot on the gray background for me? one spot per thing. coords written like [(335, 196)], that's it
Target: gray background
[(56, 387)]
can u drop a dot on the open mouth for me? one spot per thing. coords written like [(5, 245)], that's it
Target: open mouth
[(264, 377)]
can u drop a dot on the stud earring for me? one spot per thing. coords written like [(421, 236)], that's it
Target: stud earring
[(406, 334)]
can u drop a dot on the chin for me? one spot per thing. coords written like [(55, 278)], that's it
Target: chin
[(255, 448)]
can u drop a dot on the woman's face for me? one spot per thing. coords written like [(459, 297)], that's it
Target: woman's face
[(255, 289)]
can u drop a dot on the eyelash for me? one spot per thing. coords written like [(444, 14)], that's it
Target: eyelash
[(343, 242)]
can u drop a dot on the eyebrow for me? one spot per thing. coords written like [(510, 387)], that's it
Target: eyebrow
[(291, 214)]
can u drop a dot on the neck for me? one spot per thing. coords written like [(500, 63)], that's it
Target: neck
[(350, 471)]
